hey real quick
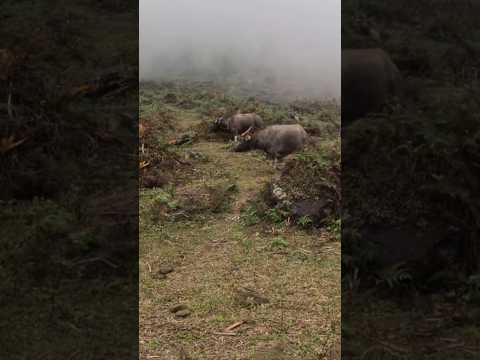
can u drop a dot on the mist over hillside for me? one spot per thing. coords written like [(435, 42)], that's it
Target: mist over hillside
[(291, 45)]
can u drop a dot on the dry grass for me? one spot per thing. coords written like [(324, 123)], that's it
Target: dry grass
[(301, 282)]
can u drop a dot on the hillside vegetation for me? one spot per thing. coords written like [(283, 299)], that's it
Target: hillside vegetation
[(210, 228)]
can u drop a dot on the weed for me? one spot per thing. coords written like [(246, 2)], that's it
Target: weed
[(248, 245), (305, 221), (279, 242), (250, 216), (163, 197), (275, 215), (335, 227), (161, 203)]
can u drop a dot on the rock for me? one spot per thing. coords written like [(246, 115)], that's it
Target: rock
[(165, 269), (182, 313), (178, 308), (317, 210), (278, 192), (249, 297)]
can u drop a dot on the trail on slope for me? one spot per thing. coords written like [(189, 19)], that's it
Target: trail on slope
[(213, 257)]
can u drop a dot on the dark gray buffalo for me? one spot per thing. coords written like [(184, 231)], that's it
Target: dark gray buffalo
[(277, 141), (238, 123), (369, 78)]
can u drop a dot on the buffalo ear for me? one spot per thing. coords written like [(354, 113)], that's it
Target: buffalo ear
[(248, 138)]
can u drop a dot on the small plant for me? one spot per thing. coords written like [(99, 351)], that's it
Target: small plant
[(161, 203), (165, 198), (335, 227), (250, 216), (274, 215), (305, 221), (279, 242), (247, 244)]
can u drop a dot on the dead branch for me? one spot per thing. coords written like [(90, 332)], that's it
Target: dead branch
[(234, 326), (225, 333)]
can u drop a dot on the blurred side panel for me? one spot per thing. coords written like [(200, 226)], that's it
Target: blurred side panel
[(410, 179), (68, 179)]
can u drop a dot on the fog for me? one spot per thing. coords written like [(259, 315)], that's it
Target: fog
[(293, 45)]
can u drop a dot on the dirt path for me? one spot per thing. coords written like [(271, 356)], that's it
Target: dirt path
[(251, 171), (215, 255)]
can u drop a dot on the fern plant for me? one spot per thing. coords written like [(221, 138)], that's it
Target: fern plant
[(279, 242), (305, 221)]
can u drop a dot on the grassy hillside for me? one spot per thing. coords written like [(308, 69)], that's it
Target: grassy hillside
[(208, 230)]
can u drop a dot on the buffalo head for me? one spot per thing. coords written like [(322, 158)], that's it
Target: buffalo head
[(246, 140), (218, 125)]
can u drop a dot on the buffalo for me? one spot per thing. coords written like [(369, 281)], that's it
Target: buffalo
[(277, 141), (238, 123), (369, 78)]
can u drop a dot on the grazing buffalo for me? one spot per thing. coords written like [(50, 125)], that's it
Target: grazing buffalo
[(369, 78), (277, 141), (238, 123)]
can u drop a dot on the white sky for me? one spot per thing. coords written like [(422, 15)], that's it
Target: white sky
[(300, 38)]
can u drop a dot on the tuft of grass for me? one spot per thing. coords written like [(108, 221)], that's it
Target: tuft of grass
[(279, 242), (305, 222)]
